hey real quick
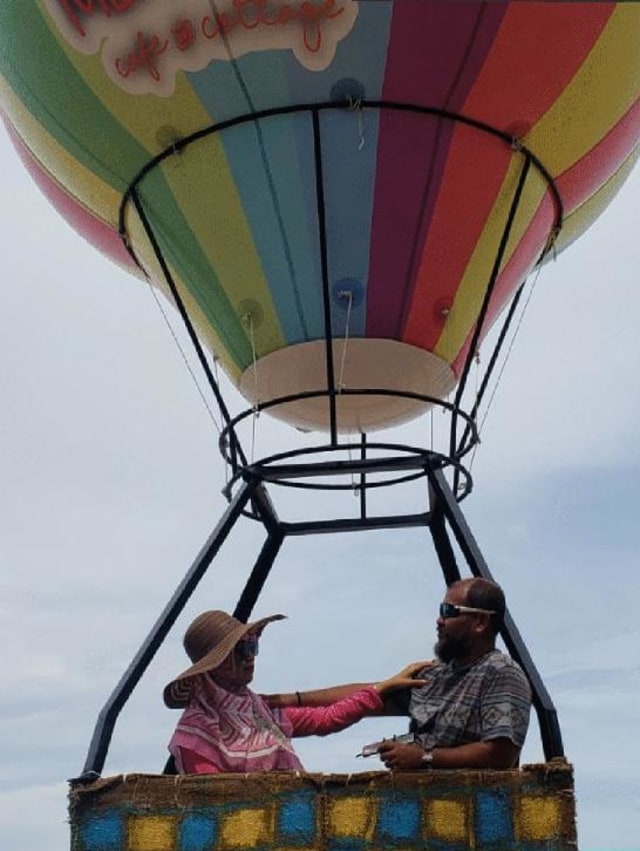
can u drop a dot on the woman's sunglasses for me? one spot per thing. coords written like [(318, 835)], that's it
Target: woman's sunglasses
[(247, 647)]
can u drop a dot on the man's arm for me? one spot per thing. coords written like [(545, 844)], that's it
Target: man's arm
[(495, 753)]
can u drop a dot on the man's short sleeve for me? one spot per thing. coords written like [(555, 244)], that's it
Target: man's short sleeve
[(397, 702), (506, 704)]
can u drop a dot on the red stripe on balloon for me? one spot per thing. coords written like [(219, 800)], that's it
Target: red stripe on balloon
[(476, 169), (474, 176), (538, 51), (97, 232), (434, 57)]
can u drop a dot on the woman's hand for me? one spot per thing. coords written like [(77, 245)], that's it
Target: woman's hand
[(404, 679)]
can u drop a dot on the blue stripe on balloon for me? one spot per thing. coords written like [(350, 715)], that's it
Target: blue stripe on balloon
[(271, 173), (273, 167), (358, 69), (349, 206)]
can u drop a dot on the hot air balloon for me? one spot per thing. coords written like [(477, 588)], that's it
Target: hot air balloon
[(340, 197), (327, 183)]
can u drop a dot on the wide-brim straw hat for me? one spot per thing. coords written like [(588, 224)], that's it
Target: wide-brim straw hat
[(208, 641)]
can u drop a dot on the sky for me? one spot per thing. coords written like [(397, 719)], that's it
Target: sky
[(111, 481)]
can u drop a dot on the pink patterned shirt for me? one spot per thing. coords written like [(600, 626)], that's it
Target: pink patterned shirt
[(222, 731)]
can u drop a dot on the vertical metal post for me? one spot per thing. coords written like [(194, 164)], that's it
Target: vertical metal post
[(363, 477), (258, 577), (326, 295), (441, 540)]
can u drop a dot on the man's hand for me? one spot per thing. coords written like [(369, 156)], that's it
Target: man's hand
[(496, 753), (401, 757)]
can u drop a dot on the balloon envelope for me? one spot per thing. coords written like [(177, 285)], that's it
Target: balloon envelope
[(347, 235)]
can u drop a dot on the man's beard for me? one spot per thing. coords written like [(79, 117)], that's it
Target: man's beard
[(448, 649)]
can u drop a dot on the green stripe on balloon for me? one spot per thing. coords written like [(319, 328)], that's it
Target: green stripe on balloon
[(90, 133), (91, 139), (184, 253)]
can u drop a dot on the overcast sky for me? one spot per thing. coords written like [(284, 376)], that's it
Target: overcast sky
[(111, 482)]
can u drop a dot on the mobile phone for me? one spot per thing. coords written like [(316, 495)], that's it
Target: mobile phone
[(372, 748)]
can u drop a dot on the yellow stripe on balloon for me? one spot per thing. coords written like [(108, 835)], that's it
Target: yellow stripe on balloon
[(473, 284), (587, 102), (145, 116), (59, 164), (155, 123), (207, 196), (56, 160)]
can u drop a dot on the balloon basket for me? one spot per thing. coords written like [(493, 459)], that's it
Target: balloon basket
[(532, 808)]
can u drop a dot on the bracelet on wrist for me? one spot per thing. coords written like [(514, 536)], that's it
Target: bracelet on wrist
[(426, 760)]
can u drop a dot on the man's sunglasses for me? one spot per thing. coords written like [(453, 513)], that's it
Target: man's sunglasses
[(449, 610), (247, 647)]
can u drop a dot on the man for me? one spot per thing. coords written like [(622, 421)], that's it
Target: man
[(473, 711)]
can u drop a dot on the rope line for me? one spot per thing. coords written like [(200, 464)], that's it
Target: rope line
[(341, 386), (185, 360), (227, 466), (356, 106), (349, 296), (248, 318), (509, 348), (236, 450)]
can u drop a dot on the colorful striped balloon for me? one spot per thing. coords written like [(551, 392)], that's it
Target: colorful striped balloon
[(327, 181)]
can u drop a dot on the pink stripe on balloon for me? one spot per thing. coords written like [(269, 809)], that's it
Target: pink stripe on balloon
[(97, 232), (587, 176)]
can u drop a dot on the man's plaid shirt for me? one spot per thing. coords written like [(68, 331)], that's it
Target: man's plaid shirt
[(489, 699)]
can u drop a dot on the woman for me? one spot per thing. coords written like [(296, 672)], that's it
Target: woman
[(226, 727)]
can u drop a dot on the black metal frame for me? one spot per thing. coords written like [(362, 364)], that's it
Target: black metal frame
[(443, 519), (377, 465)]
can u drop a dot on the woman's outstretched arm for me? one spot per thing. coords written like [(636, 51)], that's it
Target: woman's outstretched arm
[(325, 696)]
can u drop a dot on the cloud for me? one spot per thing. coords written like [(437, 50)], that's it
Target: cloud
[(39, 812)]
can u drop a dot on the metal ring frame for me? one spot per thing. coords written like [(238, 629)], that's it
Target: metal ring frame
[(230, 444)]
